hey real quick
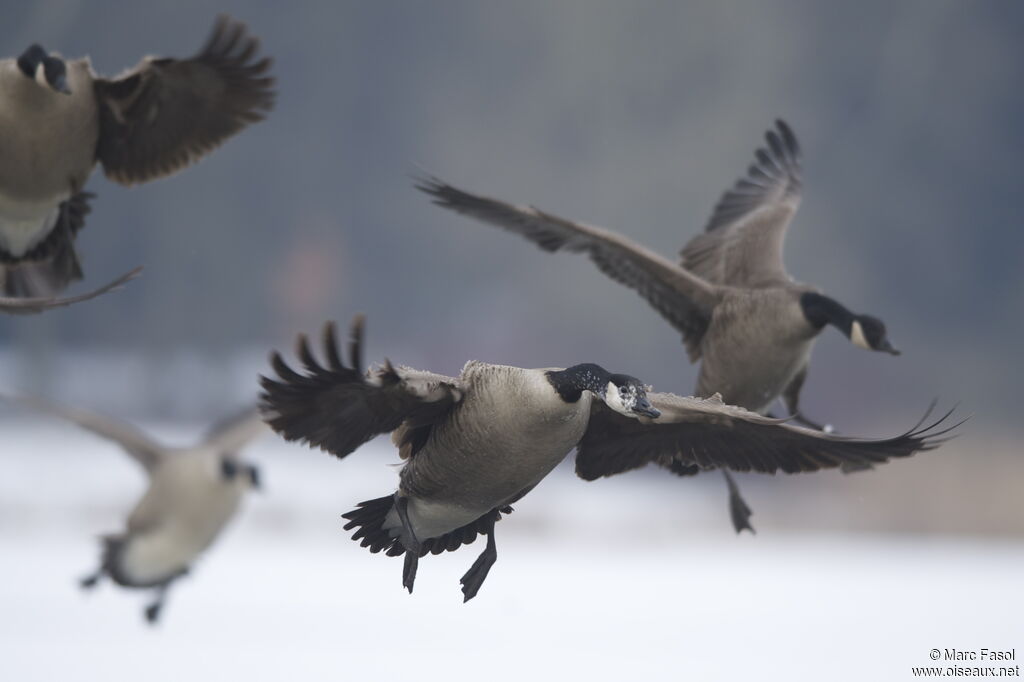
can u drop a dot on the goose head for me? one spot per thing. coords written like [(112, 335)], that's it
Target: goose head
[(868, 333), (864, 331), (231, 469), (625, 394), (46, 70), (628, 395)]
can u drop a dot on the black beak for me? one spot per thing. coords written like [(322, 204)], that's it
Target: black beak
[(255, 479), (886, 347), (644, 408), (60, 84)]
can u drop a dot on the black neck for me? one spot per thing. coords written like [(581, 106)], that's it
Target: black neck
[(821, 310), (571, 382), (30, 59)]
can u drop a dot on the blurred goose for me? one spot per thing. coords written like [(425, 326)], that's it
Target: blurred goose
[(38, 305), (476, 443), (58, 119), (193, 493), (740, 313)]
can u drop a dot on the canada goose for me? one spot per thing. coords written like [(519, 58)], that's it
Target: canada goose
[(38, 305), (740, 313), (193, 493), (475, 444), (58, 119)]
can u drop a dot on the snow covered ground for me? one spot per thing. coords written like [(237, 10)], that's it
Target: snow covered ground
[(615, 580)]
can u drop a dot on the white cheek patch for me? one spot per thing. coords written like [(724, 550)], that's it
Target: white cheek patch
[(614, 399), (41, 75), (857, 336)]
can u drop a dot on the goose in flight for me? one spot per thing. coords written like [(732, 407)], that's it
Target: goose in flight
[(58, 119), (475, 444), (193, 493), (748, 323)]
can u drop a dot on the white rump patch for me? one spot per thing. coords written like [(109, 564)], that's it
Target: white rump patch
[(430, 519), (857, 336)]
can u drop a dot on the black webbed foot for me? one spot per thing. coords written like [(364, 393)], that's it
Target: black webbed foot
[(739, 512), (90, 581), (477, 573), (412, 545), (153, 610)]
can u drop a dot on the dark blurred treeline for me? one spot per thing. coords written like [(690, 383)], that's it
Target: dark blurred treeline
[(634, 116)]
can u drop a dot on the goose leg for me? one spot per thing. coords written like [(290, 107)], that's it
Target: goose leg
[(412, 547), (738, 509), (90, 581), (153, 610), (477, 573)]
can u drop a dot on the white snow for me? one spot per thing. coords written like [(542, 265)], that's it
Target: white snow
[(615, 580)]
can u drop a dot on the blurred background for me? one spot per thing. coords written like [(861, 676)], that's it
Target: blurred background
[(632, 116)]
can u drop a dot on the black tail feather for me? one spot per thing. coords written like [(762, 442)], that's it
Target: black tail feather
[(368, 521), (53, 264)]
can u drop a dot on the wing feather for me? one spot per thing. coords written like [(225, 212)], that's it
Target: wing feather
[(685, 301), (338, 408), (167, 113), (742, 243), (233, 433), (39, 304), (137, 444), (711, 435)]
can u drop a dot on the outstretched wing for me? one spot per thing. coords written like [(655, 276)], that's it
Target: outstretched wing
[(712, 435), (338, 408), (166, 113), (742, 243), (233, 433), (684, 300), (138, 445), (38, 305)]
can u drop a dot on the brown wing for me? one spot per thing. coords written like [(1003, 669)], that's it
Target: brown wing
[(137, 444), (742, 242), (685, 301), (166, 113), (338, 408), (38, 305), (712, 435), (231, 434)]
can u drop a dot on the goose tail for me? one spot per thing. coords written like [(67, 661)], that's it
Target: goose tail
[(52, 265), (41, 279), (367, 519)]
